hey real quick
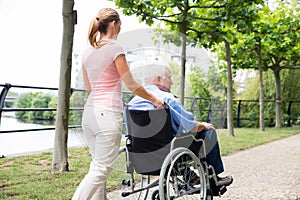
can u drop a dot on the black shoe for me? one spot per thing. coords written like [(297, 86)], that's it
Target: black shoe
[(192, 178), (226, 180)]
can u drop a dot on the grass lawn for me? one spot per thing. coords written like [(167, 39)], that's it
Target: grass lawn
[(29, 177)]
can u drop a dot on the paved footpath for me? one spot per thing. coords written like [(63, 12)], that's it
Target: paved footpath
[(269, 171)]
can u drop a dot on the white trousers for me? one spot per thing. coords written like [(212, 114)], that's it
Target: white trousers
[(103, 129)]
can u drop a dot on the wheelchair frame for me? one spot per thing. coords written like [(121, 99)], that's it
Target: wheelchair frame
[(173, 182)]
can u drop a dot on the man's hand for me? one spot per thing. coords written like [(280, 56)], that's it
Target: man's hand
[(207, 126), (204, 126)]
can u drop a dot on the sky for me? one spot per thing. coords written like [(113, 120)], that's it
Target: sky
[(31, 37)]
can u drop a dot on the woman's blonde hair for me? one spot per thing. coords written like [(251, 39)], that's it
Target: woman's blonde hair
[(100, 24)]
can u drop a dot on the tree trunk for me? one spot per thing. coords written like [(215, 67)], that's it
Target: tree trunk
[(60, 154), (261, 91), (229, 91), (276, 71), (182, 72), (183, 63)]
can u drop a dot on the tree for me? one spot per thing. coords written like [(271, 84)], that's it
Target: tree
[(209, 17), (272, 42), (60, 154), (225, 20), (281, 45)]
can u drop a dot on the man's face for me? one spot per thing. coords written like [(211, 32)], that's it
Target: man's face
[(166, 81)]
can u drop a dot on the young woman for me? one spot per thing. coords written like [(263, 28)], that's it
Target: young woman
[(104, 68)]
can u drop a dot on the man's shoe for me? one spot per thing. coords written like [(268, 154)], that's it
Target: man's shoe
[(226, 180)]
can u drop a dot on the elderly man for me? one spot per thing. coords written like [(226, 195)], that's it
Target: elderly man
[(158, 80)]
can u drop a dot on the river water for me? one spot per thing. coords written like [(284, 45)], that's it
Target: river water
[(22, 143)]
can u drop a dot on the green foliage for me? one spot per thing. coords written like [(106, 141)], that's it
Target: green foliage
[(200, 90), (280, 34), (216, 80), (34, 100), (290, 91), (44, 100), (40, 100), (273, 34), (77, 100), (210, 90), (290, 84), (199, 84), (24, 101), (53, 104), (276, 31)]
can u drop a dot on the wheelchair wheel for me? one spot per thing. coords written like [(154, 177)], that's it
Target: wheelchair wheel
[(177, 176), (155, 195), (121, 182)]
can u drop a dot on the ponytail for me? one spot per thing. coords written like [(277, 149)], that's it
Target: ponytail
[(100, 24), (93, 32)]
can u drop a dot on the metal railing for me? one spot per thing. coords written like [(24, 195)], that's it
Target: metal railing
[(219, 108), (3, 99), (213, 107)]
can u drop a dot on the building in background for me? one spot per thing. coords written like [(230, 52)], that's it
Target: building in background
[(140, 49)]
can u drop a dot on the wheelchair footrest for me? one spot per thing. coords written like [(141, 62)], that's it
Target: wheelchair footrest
[(218, 190), (222, 190)]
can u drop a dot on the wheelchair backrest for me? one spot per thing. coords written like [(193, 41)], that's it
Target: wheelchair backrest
[(150, 136)]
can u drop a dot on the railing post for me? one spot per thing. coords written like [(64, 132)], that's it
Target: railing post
[(71, 91), (3, 94), (224, 114), (289, 113), (239, 114), (209, 113), (193, 104)]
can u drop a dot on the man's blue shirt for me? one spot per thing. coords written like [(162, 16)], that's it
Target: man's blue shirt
[(182, 120)]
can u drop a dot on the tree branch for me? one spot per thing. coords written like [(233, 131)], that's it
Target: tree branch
[(162, 18), (202, 32), (208, 19), (211, 6)]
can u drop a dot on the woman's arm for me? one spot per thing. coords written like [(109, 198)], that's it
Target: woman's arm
[(131, 84), (86, 80)]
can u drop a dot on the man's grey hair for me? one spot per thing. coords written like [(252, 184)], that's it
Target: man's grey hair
[(153, 70)]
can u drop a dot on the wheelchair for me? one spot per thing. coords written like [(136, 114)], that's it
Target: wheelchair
[(167, 165)]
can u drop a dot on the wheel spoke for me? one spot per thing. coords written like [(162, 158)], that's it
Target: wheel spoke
[(179, 175)]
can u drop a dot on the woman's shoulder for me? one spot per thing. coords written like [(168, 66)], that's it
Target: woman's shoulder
[(87, 51), (115, 44), (115, 48)]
